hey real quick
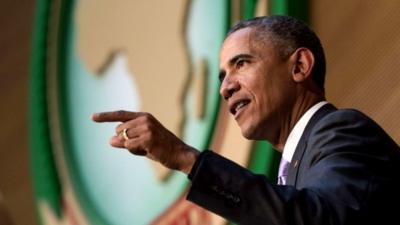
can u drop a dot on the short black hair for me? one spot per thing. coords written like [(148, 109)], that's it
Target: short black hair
[(288, 34)]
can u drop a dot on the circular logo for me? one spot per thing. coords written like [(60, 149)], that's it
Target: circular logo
[(154, 56)]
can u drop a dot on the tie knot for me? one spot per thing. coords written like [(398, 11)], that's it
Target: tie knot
[(283, 171)]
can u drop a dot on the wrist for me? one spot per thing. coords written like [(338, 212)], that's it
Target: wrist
[(191, 156)]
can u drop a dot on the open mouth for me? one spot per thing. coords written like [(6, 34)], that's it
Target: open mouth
[(238, 106)]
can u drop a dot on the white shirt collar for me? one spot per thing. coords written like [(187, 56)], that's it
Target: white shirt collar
[(298, 129)]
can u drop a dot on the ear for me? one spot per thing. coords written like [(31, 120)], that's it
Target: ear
[(302, 61)]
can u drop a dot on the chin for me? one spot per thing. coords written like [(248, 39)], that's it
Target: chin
[(251, 134), (245, 135)]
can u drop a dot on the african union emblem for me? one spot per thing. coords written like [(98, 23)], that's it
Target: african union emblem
[(155, 56)]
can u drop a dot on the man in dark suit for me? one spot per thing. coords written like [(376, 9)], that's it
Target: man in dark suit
[(338, 166)]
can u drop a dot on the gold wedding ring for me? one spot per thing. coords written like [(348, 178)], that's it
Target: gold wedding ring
[(125, 135)]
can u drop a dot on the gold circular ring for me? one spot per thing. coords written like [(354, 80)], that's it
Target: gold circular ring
[(125, 135)]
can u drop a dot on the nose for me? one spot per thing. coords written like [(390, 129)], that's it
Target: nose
[(228, 87)]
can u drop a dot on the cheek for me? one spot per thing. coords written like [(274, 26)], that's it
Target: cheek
[(269, 97), (263, 91), (262, 102)]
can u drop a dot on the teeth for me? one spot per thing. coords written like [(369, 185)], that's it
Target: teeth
[(239, 105)]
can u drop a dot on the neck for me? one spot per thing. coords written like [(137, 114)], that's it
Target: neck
[(303, 103)]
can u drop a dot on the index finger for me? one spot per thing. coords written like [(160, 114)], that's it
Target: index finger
[(114, 116)]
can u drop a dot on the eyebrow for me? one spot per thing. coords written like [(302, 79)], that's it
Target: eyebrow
[(233, 61)]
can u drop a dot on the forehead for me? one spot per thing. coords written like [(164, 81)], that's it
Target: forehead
[(244, 41), (240, 39)]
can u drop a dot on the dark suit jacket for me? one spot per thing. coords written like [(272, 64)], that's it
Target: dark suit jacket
[(345, 170)]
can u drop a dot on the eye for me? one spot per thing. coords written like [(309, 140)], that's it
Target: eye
[(221, 76), (240, 64)]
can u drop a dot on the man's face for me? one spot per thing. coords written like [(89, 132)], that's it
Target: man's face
[(257, 84)]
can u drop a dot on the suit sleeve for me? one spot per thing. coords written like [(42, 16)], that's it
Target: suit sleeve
[(228, 189), (342, 180)]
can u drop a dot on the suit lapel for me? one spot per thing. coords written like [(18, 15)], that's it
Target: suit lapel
[(302, 145)]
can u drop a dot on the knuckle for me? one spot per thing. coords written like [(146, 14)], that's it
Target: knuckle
[(147, 117), (147, 127), (120, 113)]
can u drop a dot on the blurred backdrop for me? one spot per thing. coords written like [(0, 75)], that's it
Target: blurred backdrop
[(16, 20), (362, 44)]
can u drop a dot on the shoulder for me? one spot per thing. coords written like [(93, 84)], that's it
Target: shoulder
[(349, 120), (350, 129), (346, 115)]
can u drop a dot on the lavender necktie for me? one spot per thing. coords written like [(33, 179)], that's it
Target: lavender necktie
[(283, 171)]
